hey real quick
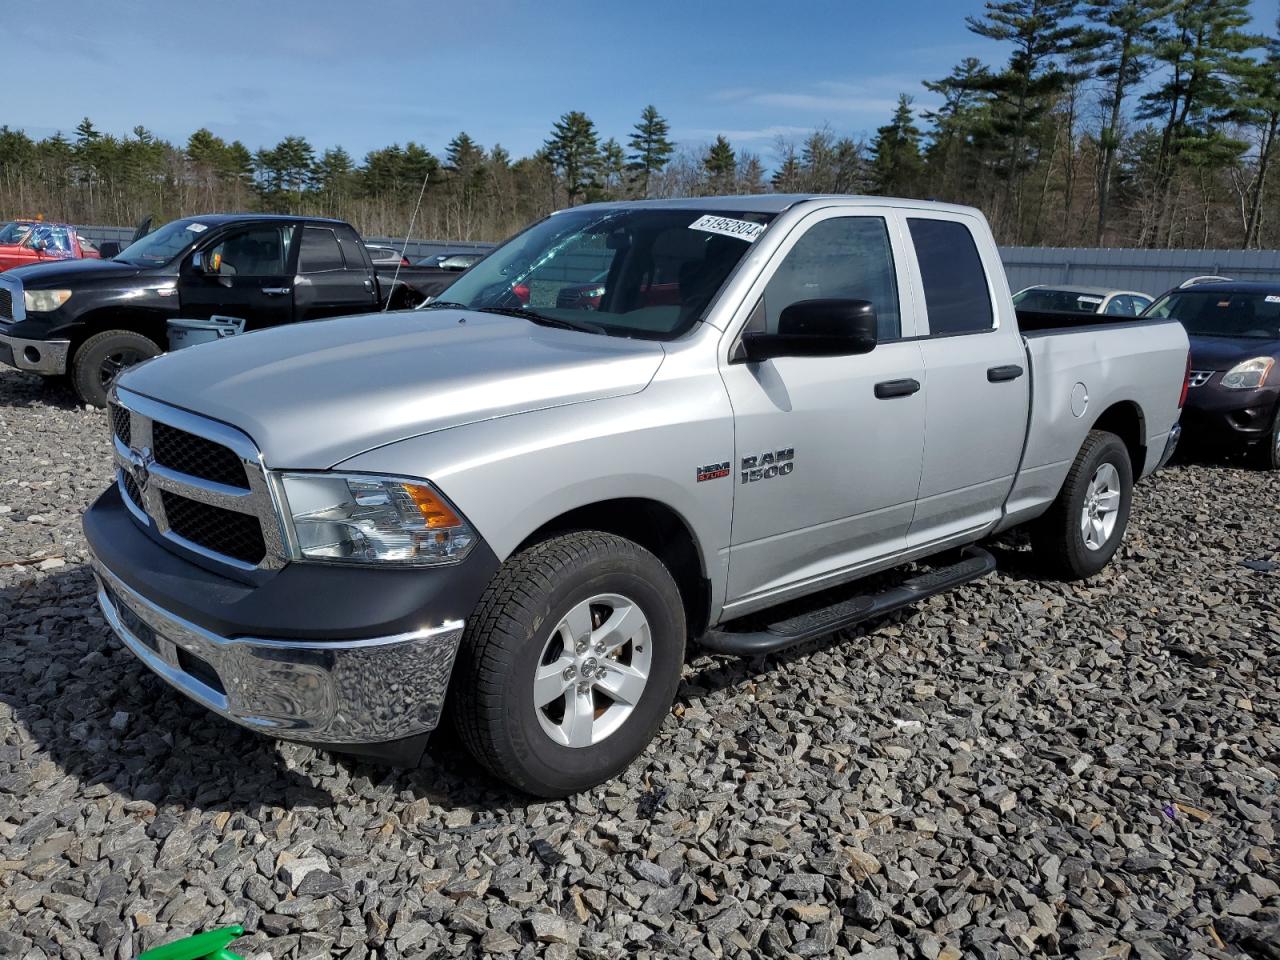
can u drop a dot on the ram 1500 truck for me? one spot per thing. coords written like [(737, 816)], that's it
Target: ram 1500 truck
[(93, 318), (521, 512)]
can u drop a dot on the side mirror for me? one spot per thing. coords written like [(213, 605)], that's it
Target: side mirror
[(209, 264), (109, 249), (816, 328)]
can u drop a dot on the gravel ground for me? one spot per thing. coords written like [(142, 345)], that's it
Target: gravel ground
[(1019, 767)]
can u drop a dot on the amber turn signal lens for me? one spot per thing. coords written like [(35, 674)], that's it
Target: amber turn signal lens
[(434, 511)]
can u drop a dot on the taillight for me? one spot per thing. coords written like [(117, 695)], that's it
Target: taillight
[(1186, 383), (521, 290)]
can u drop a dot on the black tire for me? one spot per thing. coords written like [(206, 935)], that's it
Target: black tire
[(102, 357), (1267, 455), (1057, 539), (492, 697)]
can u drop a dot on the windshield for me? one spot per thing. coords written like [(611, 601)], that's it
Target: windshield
[(55, 239), (1221, 313), (171, 240), (640, 272), (14, 232), (1060, 301)]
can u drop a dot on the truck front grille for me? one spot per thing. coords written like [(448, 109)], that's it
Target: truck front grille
[(196, 456), (119, 422), (6, 304), (197, 483), (222, 531)]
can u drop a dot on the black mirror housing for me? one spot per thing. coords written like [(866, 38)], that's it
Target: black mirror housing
[(817, 328)]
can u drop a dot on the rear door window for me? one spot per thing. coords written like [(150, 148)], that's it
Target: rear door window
[(320, 252), (955, 283)]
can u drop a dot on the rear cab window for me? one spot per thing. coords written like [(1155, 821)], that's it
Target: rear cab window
[(957, 296), (320, 253)]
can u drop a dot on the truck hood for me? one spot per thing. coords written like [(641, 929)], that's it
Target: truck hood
[(55, 273), (314, 394), (1223, 353)]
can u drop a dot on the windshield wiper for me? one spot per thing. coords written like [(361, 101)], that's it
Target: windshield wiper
[(531, 315), (543, 320)]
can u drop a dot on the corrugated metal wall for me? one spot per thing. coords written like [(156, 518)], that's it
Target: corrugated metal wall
[(1150, 271)]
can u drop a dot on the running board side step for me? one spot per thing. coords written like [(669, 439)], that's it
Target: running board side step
[(974, 564)]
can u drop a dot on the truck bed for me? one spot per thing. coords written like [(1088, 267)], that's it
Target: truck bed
[(1081, 368)]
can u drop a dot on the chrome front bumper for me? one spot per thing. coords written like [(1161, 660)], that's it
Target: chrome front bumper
[(343, 692), (48, 357)]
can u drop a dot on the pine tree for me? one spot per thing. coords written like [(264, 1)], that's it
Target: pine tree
[(574, 152), (895, 153), (1202, 56), (651, 149), (1119, 46), (613, 164), (1257, 107), (960, 133), (335, 176), (721, 166), (1042, 33)]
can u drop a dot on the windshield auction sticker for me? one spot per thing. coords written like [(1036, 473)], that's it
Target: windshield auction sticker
[(729, 227), (197, 227)]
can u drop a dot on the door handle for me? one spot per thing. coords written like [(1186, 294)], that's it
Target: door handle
[(1003, 374), (368, 284), (276, 291), (889, 389)]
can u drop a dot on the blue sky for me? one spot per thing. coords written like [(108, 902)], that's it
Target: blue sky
[(367, 74)]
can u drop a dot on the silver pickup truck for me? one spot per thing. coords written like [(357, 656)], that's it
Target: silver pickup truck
[(632, 427)]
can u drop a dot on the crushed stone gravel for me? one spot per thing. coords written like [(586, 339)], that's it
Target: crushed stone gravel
[(1020, 767)]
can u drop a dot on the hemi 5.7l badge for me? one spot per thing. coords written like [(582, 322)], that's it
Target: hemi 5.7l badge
[(770, 464), (713, 471)]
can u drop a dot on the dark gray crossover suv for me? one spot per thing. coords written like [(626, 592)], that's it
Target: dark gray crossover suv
[(1233, 400)]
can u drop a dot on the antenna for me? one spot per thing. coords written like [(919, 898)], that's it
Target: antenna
[(395, 277)]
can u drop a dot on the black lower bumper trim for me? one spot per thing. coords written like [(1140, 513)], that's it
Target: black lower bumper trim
[(302, 601)]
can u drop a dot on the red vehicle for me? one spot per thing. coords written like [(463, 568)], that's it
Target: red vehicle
[(24, 242)]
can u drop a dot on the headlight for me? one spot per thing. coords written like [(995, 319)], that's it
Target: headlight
[(1248, 375), (42, 301), (367, 519)]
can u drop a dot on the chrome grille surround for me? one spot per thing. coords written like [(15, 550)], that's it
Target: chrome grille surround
[(137, 472), (1198, 378)]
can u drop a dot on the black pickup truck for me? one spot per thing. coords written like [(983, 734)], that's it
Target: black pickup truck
[(92, 318)]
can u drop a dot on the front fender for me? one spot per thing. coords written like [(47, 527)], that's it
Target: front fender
[(513, 475)]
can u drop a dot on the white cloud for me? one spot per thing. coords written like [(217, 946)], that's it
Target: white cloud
[(741, 136)]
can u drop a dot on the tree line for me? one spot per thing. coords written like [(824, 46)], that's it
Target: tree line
[(1112, 122)]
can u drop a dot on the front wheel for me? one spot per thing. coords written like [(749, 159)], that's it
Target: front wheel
[(1081, 532), (1268, 454), (570, 663), (101, 358)]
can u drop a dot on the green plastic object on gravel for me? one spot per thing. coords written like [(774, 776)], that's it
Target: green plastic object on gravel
[(203, 946)]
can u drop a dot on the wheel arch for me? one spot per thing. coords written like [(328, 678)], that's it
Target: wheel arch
[(656, 527), (149, 324), (1126, 420)]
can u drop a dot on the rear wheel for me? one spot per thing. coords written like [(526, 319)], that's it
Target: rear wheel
[(570, 663), (101, 358), (1081, 532)]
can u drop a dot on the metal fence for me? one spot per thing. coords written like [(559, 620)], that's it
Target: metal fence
[(1118, 268)]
